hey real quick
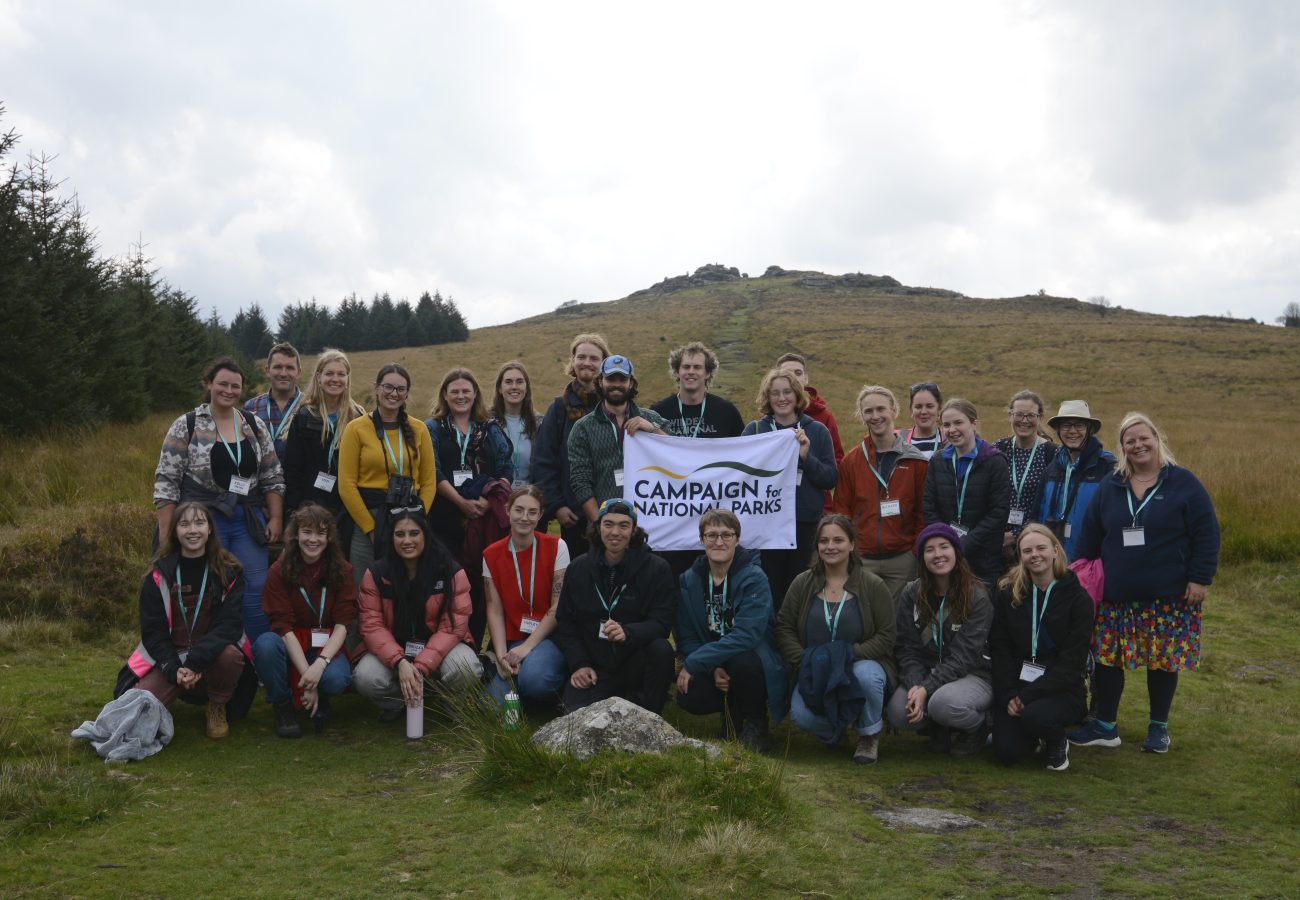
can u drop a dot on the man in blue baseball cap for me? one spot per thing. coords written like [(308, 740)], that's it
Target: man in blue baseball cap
[(596, 441)]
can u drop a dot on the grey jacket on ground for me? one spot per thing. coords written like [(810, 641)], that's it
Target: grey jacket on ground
[(133, 726)]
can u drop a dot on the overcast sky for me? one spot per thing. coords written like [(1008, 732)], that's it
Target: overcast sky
[(518, 155)]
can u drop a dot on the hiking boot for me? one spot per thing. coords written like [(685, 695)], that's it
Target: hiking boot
[(1157, 739), (868, 750), (1094, 734), (753, 736), (286, 721), (216, 725), (1058, 754), (970, 743)]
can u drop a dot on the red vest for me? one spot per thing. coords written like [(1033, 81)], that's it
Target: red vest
[(502, 571)]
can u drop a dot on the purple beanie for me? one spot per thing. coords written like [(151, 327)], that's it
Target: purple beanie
[(938, 529)]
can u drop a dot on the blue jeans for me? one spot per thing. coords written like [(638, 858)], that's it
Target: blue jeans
[(271, 659), (872, 677), (252, 557), (541, 674)]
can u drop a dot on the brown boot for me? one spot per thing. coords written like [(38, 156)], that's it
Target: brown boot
[(217, 727), (868, 750)]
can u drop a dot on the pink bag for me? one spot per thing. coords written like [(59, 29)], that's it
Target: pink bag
[(1092, 577)]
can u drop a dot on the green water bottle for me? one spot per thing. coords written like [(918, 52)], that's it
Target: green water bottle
[(513, 711)]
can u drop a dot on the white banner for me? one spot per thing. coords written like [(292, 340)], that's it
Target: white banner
[(672, 481)]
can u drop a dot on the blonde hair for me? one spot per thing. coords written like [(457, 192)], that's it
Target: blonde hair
[(1163, 455), (1018, 578), (314, 397), (800, 394), (597, 340), (869, 389)]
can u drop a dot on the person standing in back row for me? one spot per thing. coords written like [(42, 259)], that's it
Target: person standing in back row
[(1074, 475), (1028, 454), (817, 410), (277, 406), (925, 398), (694, 413), (551, 446), (596, 442)]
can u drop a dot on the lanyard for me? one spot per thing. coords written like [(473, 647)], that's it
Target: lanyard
[(1065, 489), (834, 625), (1151, 493), (618, 433), (874, 471), (320, 614), (1036, 619), (938, 627), (722, 619), (961, 498), (331, 420), (237, 455), (681, 414), (400, 459), (618, 595), (515, 441), (532, 574), (461, 442), (1029, 464), (180, 597), (285, 417)]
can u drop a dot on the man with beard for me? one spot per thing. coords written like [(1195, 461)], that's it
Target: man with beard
[(596, 441), (550, 447)]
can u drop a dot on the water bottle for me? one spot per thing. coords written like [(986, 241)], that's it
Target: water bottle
[(513, 711), (415, 721)]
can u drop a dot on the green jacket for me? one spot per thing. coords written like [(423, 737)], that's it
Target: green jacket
[(875, 604), (595, 451)]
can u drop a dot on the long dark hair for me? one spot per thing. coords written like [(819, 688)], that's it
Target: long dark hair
[(407, 432), (526, 414), (220, 560), (435, 564), (844, 524), (312, 515), (961, 590), (218, 364)]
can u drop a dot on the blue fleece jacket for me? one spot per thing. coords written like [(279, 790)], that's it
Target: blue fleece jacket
[(818, 469), (1055, 503)]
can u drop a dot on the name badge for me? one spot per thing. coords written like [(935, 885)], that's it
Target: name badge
[(528, 626), (319, 637), (517, 484), (618, 477), (184, 655), (891, 508), (240, 486), (1135, 537), (1068, 529), (325, 481), (600, 631), (798, 478), (1016, 517), (460, 476), (961, 530), (1031, 671), (413, 649)]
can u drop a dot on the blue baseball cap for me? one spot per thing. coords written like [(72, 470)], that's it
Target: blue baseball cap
[(617, 505), (616, 365)]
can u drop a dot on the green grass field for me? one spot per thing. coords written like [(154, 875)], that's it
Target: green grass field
[(361, 811)]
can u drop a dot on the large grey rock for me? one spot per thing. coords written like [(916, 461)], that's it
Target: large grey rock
[(614, 724), (926, 818)]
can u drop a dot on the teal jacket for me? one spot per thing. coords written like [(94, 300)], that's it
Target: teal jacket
[(750, 627)]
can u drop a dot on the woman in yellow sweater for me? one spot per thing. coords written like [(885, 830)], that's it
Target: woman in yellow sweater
[(386, 461)]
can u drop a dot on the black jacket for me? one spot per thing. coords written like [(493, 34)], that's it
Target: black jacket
[(646, 609), (984, 511), (304, 458), (551, 450), (1063, 641), (226, 625), (964, 643)]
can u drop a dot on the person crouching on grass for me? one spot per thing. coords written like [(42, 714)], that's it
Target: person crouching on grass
[(724, 636), (616, 609), (311, 599), (943, 621), (1042, 628)]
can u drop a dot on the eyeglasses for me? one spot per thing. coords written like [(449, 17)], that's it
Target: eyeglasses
[(394, 390), (528, 513), (1072, 425), (718, 537), (1024, 417)]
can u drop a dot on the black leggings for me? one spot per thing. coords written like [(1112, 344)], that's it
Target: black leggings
[(1014, 736), (643, 678), (745, 699), (1161, 686)]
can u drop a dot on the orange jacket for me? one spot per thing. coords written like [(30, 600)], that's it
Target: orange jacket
[(858, 495)]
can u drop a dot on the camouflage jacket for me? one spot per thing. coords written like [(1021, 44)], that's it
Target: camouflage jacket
[(189, 458)]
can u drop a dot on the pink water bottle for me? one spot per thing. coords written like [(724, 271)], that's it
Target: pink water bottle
[(414, 721)]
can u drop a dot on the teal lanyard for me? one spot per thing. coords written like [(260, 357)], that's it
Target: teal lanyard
[(614, 428), (331, 420), (462, 441), (1151, 493), (532, 574), (1036, 619), (515, 441), (320, 614), (721, 623), (874, 471), (833, 626), (1029, 464), (961, 498), (285, 417), (1065, 488), (681, 414), (180, 598), (237, 455), (618, 595), (400, 459), (938, 627)]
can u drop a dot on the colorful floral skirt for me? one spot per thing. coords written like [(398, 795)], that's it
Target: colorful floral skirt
[(1164, 633)]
